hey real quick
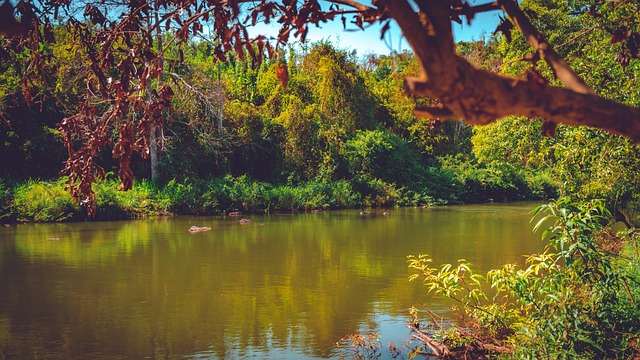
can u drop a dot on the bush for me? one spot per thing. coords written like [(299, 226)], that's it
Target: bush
[(342, 195), (184, 198), (141, 201), (6, 203), (450, 184), (578, 299), (45, 202), (540, 185), (381, 155), (474, 183), (409, 197), (107, 206)]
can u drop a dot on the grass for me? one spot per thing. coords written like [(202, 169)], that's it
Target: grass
[(44, 201), (48, 201)]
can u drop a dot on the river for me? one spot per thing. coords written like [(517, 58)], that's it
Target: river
[(285, 286)]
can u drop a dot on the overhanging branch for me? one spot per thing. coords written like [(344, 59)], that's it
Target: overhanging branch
[(560, 67), (480, 97), (354, 4)]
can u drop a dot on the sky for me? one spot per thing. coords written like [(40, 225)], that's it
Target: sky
[(369, 41)]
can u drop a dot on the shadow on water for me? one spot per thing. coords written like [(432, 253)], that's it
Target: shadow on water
[(282, 286)]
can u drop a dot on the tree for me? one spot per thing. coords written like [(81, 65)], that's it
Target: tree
[(121, 106)]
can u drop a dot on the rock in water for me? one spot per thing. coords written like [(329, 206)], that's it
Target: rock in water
[(195, 229)]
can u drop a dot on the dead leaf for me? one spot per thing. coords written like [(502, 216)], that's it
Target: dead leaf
[(282, 73)]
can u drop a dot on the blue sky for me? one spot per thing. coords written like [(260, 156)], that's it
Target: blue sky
[(368, 41)]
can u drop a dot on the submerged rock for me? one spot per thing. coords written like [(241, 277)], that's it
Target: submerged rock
[(195, 229), (244, 221), (235, 213)]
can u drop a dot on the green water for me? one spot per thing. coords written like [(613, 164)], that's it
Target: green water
[(282, 287)]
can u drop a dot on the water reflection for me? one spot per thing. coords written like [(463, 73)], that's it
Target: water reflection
[(283, 286)]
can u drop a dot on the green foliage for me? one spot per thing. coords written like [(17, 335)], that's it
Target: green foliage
[(185, 197), (107, 205), (592, 164), (6, 202), (515, 140), (219, 196), (585, 163), (45, 202), (381, 155), (141, 201), (572, 301), (347, 118), (29, 119), (338, 119), (49, 201), (472, 182)]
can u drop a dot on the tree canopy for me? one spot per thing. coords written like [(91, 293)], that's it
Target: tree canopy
[(126, 47)]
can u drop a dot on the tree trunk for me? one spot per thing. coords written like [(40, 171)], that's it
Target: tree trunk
[(155, 140), (219, 101), (153, 152)]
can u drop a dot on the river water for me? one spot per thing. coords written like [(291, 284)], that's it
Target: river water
[(281, 287)]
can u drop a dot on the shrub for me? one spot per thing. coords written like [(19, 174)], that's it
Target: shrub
[(107, 206), (409, 197), (185, 198), (285, 198), (141, 200), (342, 195), (43, 201), (572, 301), (6, 203), (474, 183), (381, 155), (540, 184)]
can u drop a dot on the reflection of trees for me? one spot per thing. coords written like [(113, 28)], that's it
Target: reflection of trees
[(149, 288), (82, 244)]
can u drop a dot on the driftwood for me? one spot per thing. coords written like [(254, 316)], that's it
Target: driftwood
[(437, 349), (479, 347)]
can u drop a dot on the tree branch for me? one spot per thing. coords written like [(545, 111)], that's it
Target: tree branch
[(472, 10), (560, 67), (438, 13), (486, 97), (354, 4), (480, 97), (463, 8)]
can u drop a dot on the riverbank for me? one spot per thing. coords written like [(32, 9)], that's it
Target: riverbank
[(48, 201)]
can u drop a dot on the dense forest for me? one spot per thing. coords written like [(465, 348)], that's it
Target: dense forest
[(317, 127), (342, 133), (343, 128)]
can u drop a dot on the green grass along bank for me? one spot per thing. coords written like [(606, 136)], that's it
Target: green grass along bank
[(49, 201)]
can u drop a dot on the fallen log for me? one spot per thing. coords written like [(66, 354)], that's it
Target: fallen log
[(437, 349)]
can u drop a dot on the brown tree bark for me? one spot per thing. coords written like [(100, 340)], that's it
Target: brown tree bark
[(480, 97)]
